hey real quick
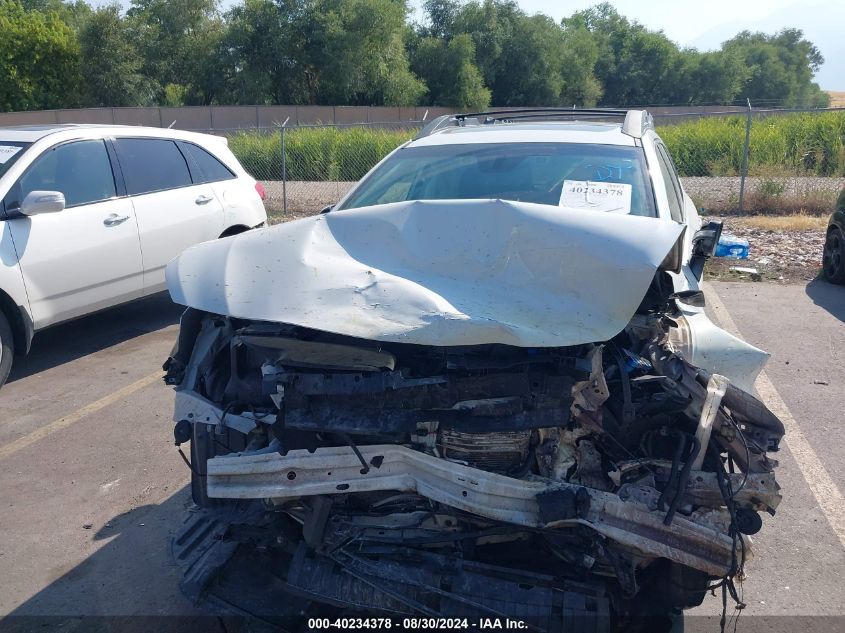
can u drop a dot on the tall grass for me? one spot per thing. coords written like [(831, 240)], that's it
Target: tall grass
[(796, 144), (316, 154)]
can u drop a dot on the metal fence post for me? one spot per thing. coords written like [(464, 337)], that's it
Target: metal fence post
[(744, 169), (284, 171)]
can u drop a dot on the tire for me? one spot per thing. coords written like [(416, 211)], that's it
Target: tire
[(7, 348), (833, 258)]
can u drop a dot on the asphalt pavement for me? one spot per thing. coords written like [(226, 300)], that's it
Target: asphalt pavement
[(91, 485)]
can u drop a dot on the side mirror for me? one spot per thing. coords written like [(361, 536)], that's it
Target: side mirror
[(704, 244), (326, 209), (38, 202), (706, 239)]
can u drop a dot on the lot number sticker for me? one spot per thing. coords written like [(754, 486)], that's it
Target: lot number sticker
[(7, 151), (610, 197)]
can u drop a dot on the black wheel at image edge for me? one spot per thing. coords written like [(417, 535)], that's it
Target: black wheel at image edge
[(833, 259)]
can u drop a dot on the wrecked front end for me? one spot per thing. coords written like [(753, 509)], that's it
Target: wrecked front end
[(599, 481)]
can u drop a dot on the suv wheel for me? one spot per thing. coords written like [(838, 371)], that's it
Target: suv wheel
[(7, 348), (833, 259)]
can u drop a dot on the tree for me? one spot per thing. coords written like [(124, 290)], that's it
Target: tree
[(530, 63), (259, 54), (781, 68), (523, 60), (636, 66), (713, 77), (113, 66), (441, 17), (39, 60), (490, 24), (321, 52), (178, 39), (74, 13), (353, 51), (450, 73), (581, 86)]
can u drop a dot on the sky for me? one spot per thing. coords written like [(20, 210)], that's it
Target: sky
[(706, 24)]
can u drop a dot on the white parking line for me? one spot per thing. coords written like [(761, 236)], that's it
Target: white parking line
[(71, 418), (824, 489)]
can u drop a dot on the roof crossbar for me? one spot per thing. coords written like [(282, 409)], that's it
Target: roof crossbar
[(540, 112), (636, 122)]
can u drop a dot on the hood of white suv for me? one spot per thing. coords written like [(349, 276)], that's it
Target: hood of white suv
[(435, 273)]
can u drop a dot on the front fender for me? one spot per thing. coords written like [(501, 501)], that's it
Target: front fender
[(704, 344)]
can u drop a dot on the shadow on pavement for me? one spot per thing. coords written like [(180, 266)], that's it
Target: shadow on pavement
[(75, 339), (828, 296), (129, 584)]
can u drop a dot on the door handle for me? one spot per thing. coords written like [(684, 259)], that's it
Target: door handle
[(203, 199), (113, 219)]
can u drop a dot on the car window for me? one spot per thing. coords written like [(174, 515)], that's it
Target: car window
[(607, 178), (673, 186), (204, 166), (10, 151), (151, 164), (81, 170)]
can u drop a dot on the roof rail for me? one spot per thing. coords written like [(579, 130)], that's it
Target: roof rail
[(635, 123), (517, 113)]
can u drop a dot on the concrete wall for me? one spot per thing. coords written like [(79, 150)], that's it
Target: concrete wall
[(221, 117), (224, 118)]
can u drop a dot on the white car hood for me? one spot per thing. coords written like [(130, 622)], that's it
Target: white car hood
[(457, 272)]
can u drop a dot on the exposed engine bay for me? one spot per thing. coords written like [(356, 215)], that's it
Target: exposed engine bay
[(604, 481)]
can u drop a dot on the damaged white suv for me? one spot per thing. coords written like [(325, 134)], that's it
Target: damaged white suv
[(483, 384)]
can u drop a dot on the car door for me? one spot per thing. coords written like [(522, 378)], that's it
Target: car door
[(682, 209), (173, 211), (83, 258)]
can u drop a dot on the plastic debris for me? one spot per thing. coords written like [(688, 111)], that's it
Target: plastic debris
[(742, 270), (732, 246)]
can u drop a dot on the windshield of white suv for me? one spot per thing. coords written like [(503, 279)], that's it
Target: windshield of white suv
[(607, 178), (10, 151)]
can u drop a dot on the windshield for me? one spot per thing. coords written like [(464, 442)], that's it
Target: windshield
[(10, 151), (606, 178)]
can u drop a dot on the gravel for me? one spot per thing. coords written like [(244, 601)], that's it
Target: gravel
[(721, 194), (782, 256), (304, 198)]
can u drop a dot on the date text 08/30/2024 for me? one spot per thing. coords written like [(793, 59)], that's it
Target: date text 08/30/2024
[(481, 624)]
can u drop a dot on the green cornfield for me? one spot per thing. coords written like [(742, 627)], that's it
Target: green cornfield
[(810, 144), (316, 153), (795, 144)]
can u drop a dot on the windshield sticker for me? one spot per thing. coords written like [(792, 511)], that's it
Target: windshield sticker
[(610, 197), (7, 151)]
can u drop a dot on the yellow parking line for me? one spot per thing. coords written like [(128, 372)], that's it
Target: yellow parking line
[(66, 421), (821, 484)]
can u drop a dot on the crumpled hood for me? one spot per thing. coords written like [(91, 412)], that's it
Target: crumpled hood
[(457, 272)]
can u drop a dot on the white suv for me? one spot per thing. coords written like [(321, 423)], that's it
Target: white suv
[(483, 383), (90, 216)]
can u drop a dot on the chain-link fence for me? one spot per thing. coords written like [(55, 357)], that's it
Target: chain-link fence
[(758, 161), (306, 168), (761, 161)]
